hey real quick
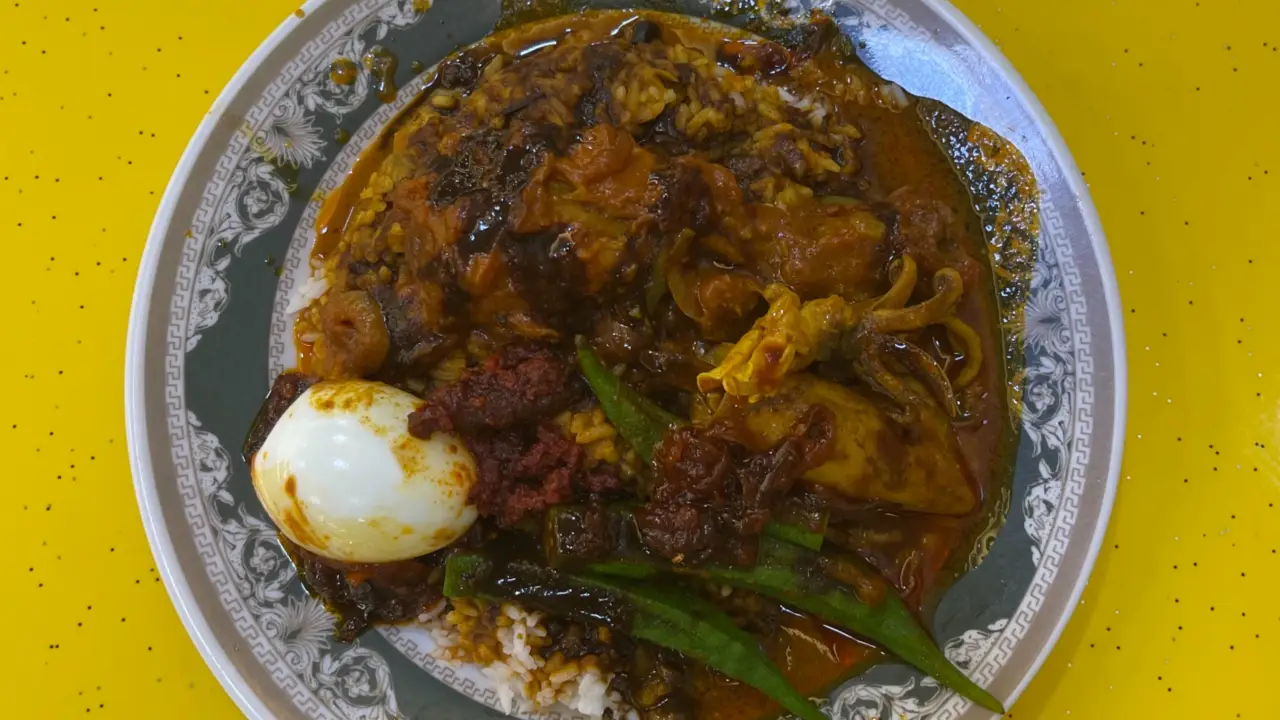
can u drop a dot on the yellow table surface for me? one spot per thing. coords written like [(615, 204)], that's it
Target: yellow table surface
[(1168, 105)]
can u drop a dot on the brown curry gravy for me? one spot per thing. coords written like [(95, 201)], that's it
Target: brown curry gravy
[(897, 152)]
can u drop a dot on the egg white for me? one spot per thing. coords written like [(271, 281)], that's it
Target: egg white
[(341, 476)]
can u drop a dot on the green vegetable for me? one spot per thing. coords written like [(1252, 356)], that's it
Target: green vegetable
[(642, 423), (662, 615), (798, 526), (835, 588), (460, 573), (699, 630), (887, 622), (794, 535), (639, 420), (841, 200), (669, 255)]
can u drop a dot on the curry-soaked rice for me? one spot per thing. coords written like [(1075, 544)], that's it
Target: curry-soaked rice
[(592, 430), (779, 140)]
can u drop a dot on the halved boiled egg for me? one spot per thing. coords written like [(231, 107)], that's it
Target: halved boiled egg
[(341, 476)]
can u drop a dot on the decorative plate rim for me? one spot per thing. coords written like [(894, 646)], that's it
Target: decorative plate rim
[(159, 534), (1111, 299), (153, 521)]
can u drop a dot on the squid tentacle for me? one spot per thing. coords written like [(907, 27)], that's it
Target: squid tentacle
[(919, 363), (903, 273), (968, 339), (947, 288)]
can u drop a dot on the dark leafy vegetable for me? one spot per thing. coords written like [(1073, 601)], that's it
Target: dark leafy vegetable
[(663, 615)]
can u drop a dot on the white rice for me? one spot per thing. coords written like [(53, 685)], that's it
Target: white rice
[(306, 293), (580, 687), (816, 115), (893, 97), (814, 109)]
